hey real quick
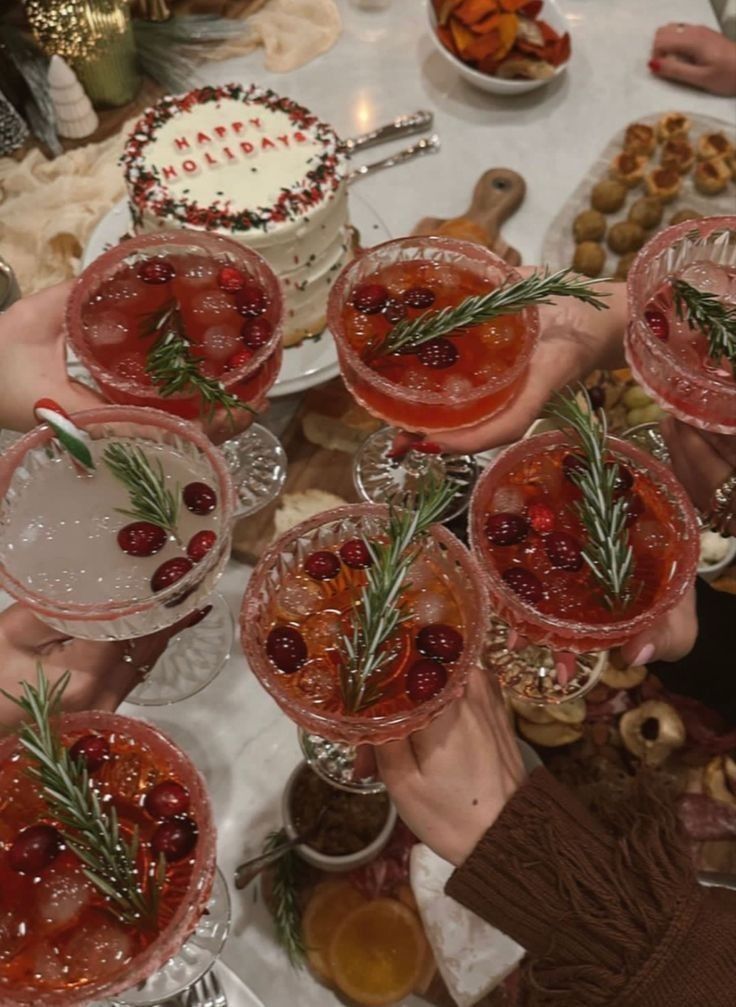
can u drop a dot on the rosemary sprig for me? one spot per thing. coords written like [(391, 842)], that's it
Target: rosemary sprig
[(704, 311), (150, 498), (509, 298), (379, 612), (91, 832), (174, 368), (607, 552), (286, 912)]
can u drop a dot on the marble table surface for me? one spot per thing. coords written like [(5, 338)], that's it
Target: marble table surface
[(383, 65)]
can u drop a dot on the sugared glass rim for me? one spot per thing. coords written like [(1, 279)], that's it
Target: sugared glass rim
[(210, 244), (609, 634), (144, 416), (363, 729), (192, 902), (339, 296)]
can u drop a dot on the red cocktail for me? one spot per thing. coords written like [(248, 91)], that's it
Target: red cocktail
[(670, 357)]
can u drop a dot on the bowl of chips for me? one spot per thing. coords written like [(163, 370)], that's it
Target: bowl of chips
[(501, 46)]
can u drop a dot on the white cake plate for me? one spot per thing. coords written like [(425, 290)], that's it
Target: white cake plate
[(312, 362)]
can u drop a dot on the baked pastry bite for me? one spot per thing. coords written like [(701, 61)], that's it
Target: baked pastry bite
[(624, 265), (686, 213), (711, 177), (590, 225), (713, 145), (664, 183), (608, 195), (646, 212), (628, 168), (625, 236), (672, 126), (589, 258), (640, 138), (677, 154)]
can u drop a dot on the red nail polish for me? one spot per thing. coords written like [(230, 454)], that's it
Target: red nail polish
[(427, 448), (655, 65)]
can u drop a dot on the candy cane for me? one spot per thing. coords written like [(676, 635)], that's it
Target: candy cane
[(74, 440)]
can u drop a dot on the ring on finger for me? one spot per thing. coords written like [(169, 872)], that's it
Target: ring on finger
[(722, 510)]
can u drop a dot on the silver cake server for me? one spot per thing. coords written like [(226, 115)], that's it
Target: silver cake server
[(402, 125), (427, 146)]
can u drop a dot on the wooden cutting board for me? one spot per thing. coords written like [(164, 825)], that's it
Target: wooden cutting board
[(498, 193)]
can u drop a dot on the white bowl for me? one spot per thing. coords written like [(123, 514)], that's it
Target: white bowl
[(485, 81), (322, 860)]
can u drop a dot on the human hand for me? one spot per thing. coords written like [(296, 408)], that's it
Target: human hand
[(695, 55), (102, 672), (450, 781), (672, 637), (701, 460)]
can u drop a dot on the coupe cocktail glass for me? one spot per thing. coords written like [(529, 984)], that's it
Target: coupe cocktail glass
[(62, 556), (230, 307), (453, 382), (667, 357), (301, 599), (61, 944)]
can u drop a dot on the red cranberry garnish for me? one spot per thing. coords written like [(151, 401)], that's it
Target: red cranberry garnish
[(142, 538), (34, 848), (441, 642), (170, 572), (251, 300), (354, 553), (92, 750), (200, 544), (634, 509), (425, 679), (624, 479), (438, 353), (239, 359), (597, 396), (285, 646), (369, 298), (524, 583), (658, 324), (199, 498), (230, 279), (419, 297), (541, 517), (156, 271), (256, 332), (322, 565), (394, 311), (573, 467), (174, 839), (166, 800), (506, 528), (564, 551)]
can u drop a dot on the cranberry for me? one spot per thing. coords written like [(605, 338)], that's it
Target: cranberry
[(156, 271), (355, 554), (541, 517), (322, 565), (174, 839), (166, 800), (624, 479), (200, 544), (441, 642), (251, 300), (634, 509), (438, 353), (597, 396), (199, 498), (142, 538), (524, 583), (230, 279), (256, 332), (394, 311), (369, 298), (419, 297), (92, 750), (239, 359), (658, 324), (285, 646), (170, 572), (425, 679), (34, 848), (573, 467), (564, 551), (506, 528)]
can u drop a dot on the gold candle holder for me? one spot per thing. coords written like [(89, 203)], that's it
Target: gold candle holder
[(110, 74)]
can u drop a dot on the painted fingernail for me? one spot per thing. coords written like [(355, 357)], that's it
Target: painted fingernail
[(645, 654), (427, 448), (198, 616), (655, 65)]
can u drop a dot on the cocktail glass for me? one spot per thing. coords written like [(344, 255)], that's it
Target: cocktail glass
[(666, 356), (60, 555), (525, 529), (234, 334), (436, 389), (60, 943), (444, 588)]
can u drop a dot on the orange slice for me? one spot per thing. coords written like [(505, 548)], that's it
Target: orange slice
[(328, 905), (378, 953)]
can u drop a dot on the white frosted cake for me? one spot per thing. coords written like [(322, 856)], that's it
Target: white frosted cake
[(253, 166)]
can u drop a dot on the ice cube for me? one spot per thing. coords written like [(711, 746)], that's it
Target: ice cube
[(321, 631), (708, 277), (13, 932), (316, 681), (61, 896), (507, 500), (132, 293), (109, 328), (132, 367), (457, 387), (99, 946), (196, 272), (123, 775), (212, 307), (220, 341), (500, 332), (49, 965), (429, 606), (298, 596)]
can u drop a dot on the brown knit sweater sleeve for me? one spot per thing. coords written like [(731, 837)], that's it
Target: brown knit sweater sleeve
[(612, 918)]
